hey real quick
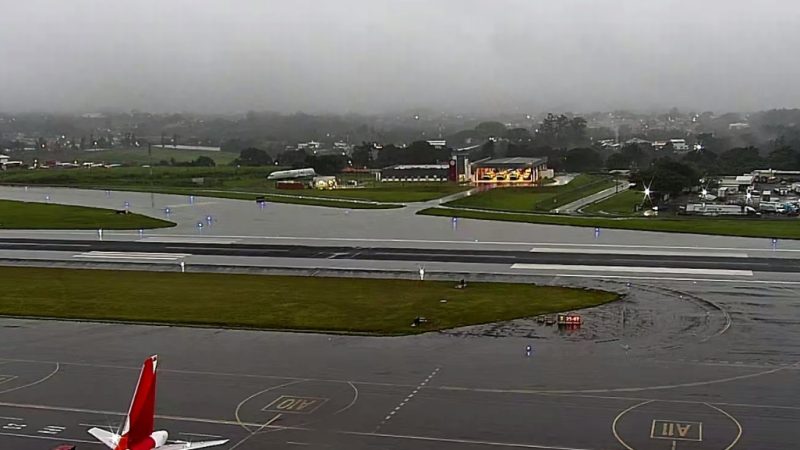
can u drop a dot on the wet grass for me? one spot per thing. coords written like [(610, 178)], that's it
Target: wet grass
[(230, 182), (278, 302), (788, 228), (25, 215), (622, 204), (540, 198)]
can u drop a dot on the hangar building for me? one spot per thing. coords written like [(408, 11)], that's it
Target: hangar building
[(511, 170)]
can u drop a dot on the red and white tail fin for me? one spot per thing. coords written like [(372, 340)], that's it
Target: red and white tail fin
[(138, 424), (139, 421)]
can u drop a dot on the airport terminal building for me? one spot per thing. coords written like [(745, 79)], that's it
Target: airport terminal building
[(511, 170)]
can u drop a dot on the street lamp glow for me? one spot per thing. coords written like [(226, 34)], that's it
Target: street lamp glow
[(647, 192), (705, 192)]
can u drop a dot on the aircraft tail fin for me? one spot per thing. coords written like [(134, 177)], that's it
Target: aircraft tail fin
[(139, 421)]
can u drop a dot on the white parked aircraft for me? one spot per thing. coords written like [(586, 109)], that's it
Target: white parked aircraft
[(292, 174)]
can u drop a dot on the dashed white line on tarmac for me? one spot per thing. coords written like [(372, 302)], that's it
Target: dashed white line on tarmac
[(403, 403)]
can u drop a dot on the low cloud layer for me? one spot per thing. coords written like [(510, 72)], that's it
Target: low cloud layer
[(384, 55)]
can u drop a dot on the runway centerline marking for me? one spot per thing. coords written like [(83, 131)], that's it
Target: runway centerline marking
[(706, 280), (637, 251), (133, 255), (632, 269), (419, 241)]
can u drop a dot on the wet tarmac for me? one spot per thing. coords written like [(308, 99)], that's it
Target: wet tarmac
[(697, 365)]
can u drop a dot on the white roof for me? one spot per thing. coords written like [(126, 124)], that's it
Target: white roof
[(420, 166)]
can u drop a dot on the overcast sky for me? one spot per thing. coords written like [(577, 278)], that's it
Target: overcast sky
[(385, 55)]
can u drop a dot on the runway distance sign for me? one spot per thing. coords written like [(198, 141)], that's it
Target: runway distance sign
[(570, 319)]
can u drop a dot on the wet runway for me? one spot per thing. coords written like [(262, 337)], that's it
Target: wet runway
[(238, 219), (727, 263), (695, 365)]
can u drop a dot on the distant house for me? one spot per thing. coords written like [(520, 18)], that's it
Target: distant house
[(438, 143), (638, 141), (342, 147), (737, 126), (310, 145), (675, 145)]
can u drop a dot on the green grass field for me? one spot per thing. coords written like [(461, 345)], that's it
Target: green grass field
[(278, 302), (529, 199), (136, 156), (621, 204), (229, 182), (745, 227), (24, 215)]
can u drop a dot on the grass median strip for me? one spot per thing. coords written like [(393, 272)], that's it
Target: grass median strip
[(744, 227), (278, 302), (46, 216), (539, 198), (621, 204)]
